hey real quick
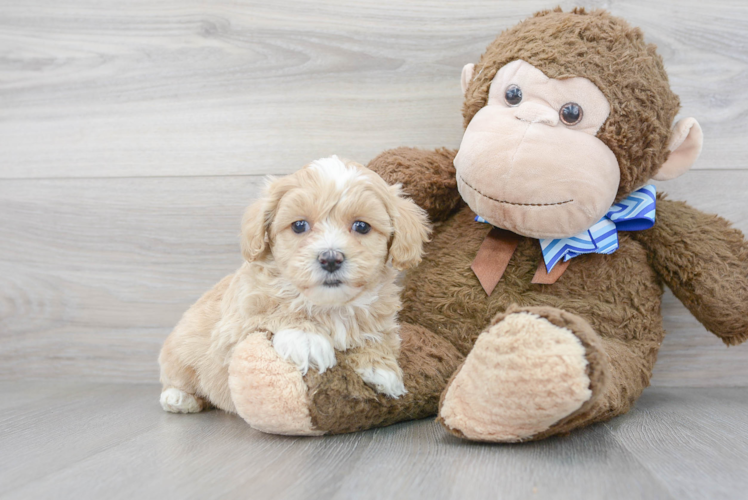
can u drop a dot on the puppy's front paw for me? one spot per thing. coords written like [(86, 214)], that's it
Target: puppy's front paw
[(305, 349), (384, 380)]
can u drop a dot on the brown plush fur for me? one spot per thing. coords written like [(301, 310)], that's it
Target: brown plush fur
[(611, 303), (589, 300), (427, 180), (342, 403), (703, 260)]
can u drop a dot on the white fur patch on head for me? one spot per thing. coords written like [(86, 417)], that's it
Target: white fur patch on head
[(384, 381), (305, 349), (334, 169), (175, 401), (330, 237)]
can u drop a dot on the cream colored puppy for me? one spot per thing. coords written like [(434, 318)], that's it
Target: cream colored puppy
[(322, 248)]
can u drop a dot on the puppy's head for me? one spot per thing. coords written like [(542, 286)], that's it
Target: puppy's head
[(332, 228)]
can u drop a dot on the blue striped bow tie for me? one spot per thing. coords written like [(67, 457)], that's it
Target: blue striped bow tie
[(635, 213)]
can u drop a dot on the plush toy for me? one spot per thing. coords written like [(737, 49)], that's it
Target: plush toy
[(536, 310)]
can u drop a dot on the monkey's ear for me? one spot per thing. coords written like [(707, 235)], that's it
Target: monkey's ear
[(685, 147), (467, 76)]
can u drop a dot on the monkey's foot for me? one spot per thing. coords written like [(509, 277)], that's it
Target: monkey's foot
[(527, 372), (268, 391)]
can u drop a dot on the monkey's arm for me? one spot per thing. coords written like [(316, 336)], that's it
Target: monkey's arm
[(428, 177), (704, 261)]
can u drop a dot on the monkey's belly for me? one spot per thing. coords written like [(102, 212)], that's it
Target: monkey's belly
[(618, 294)]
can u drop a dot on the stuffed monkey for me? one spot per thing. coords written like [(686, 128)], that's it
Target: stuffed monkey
[(536, 309)]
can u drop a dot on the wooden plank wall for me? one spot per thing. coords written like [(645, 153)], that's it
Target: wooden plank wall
[(133, 134)]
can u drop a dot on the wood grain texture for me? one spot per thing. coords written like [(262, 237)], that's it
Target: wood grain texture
[(695, 442), (187, 87), (114, 441), (94, 273)]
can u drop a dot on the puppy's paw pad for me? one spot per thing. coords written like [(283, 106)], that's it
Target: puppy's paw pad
[(175, 401), (384, 380), (305, 350)]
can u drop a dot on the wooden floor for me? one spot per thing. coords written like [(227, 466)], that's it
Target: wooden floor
[(80, 440)]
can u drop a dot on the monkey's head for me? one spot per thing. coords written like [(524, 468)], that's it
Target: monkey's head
[(565, 114)]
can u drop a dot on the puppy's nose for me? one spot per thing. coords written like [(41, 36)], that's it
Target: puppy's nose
[(331, 260)]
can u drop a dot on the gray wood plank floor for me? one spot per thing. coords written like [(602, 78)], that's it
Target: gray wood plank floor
[(67, 440)]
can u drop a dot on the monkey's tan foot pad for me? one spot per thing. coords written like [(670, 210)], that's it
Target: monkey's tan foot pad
[(268, 391), (523, 375)]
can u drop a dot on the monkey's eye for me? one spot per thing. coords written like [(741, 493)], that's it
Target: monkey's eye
[(571, 113), (513, 95), (361, 227), (300, 226)]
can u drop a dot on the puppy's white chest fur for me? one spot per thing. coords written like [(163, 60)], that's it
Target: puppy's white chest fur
[(335, 329), (346, 332)]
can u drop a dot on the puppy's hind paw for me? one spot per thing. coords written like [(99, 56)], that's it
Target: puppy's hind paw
[(175, 401), (383, 380), (305, 350)]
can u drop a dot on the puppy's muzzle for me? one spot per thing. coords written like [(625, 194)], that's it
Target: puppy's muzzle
[(331, 260)]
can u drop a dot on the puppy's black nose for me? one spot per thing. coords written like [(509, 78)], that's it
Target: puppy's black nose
[(331, 260)]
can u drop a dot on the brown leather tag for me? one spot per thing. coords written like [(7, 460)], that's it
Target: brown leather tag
[(543, 277), (493, 256)]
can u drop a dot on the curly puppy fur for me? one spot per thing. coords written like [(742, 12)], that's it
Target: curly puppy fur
[(283, 287)]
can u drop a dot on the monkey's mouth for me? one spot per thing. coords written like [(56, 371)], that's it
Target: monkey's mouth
[(512, 202)]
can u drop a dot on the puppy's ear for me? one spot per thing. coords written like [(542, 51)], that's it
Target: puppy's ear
[(410, 230), (258, 217), (254, 231)]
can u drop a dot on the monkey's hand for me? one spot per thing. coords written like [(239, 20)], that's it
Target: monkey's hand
[(704, 261), (428, 177)]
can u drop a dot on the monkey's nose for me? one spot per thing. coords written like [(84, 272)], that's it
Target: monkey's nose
[(536, 113), (331, 260)]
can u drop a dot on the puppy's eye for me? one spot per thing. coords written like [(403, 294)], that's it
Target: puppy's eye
[(513, 95), (300, 226), (361, 227), (571, 113)]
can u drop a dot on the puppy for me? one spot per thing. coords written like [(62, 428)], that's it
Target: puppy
[(322, 248)]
